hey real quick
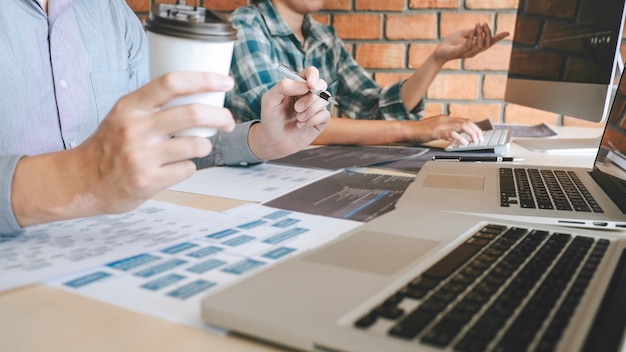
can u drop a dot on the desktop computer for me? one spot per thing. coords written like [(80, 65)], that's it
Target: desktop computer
[(564, 59)]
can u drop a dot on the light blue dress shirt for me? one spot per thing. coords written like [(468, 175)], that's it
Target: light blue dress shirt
[(60, 74)]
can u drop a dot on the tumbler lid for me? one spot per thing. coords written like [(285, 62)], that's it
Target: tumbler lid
[(190, 22)]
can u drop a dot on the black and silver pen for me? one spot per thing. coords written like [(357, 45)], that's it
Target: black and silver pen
[(287, 72), (474, 158)]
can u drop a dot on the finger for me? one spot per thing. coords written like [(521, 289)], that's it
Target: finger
[(473, 131), (163, 89), (471, 39), (183, 148), (318, 106), (310, 102), (498, 37), (455, 136), (487, 35), (317, 121), (482, 37), (179, 118), (281, 90), (312, 76), (173, 173)]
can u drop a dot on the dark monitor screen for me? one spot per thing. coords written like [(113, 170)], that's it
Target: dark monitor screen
[(564, 55)]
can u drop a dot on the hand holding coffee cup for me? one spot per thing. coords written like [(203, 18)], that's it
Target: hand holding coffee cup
[(189, 38)]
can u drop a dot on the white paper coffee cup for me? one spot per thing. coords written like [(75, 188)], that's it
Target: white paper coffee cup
[(188, 38)]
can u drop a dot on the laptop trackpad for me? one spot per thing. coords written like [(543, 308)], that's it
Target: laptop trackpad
[(454, 181), (373, 252)]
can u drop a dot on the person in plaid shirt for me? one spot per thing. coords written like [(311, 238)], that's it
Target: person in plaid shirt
[(272, 32)]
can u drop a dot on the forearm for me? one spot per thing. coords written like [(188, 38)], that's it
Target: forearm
[(48, 188), (349, 131), (415, 87)]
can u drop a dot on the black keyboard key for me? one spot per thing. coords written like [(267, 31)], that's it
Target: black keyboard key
[(442, 333), (491, 292), (545, 189), (366, 321), (412, 324), (452, 261)]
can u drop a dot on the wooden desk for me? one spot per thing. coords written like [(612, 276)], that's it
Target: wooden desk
[(42, 318)]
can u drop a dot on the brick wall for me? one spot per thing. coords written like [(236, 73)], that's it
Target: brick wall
[(390, 38)]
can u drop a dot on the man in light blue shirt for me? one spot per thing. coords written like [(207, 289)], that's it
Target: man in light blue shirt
[(80, 135)]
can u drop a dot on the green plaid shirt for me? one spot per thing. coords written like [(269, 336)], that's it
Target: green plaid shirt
[(264, 40)]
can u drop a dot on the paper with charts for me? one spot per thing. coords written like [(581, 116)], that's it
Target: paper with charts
[(234, 182), (170, 282), (49, 250)]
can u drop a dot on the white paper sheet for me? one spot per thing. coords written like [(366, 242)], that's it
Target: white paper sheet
[(269, 181), (54, 249), (171, 282)]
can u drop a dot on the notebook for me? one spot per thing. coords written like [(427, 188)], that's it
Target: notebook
[(453, 269)]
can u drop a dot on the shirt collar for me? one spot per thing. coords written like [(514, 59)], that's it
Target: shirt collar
[(312, 30), (275, 24)]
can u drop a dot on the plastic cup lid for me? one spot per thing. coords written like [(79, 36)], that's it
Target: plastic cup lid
[(189, 22)]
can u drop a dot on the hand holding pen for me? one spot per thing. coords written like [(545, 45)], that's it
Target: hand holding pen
[(288, 73)]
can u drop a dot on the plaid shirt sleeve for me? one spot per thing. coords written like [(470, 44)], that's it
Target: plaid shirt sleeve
[(253, 67)]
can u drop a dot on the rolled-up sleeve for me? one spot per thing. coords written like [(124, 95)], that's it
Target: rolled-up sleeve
[(230, 148), (8, 223)]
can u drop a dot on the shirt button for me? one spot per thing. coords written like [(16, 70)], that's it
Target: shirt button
[(73, 144), (63, 83)]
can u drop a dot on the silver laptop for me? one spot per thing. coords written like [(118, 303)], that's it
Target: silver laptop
[(579, 197), (417, 279), (453, 269)]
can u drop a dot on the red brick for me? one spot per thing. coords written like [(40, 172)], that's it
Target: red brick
[(321, 18), (476, 112), (519, 114), (380, 55), (455, 21), (418, 26), (358, 26), (433, 109), (491, 4), (495, 58), (336, 5), (139, 5), (434, 4), (224, 5), (385, 79), (494, 86), (377, 5), (505, 22), (454, 86), (418, 53)]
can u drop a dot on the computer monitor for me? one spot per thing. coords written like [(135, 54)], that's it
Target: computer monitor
[(565, 58)]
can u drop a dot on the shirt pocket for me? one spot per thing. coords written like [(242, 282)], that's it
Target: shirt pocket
[(108, 87)]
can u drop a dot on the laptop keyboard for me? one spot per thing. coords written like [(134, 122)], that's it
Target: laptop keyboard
[(504, 289), (496, 141), (545, 189)]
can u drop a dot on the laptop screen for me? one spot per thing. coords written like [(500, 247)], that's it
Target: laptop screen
[(611, 158)]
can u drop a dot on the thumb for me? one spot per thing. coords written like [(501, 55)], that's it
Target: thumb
[(283, 89)]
